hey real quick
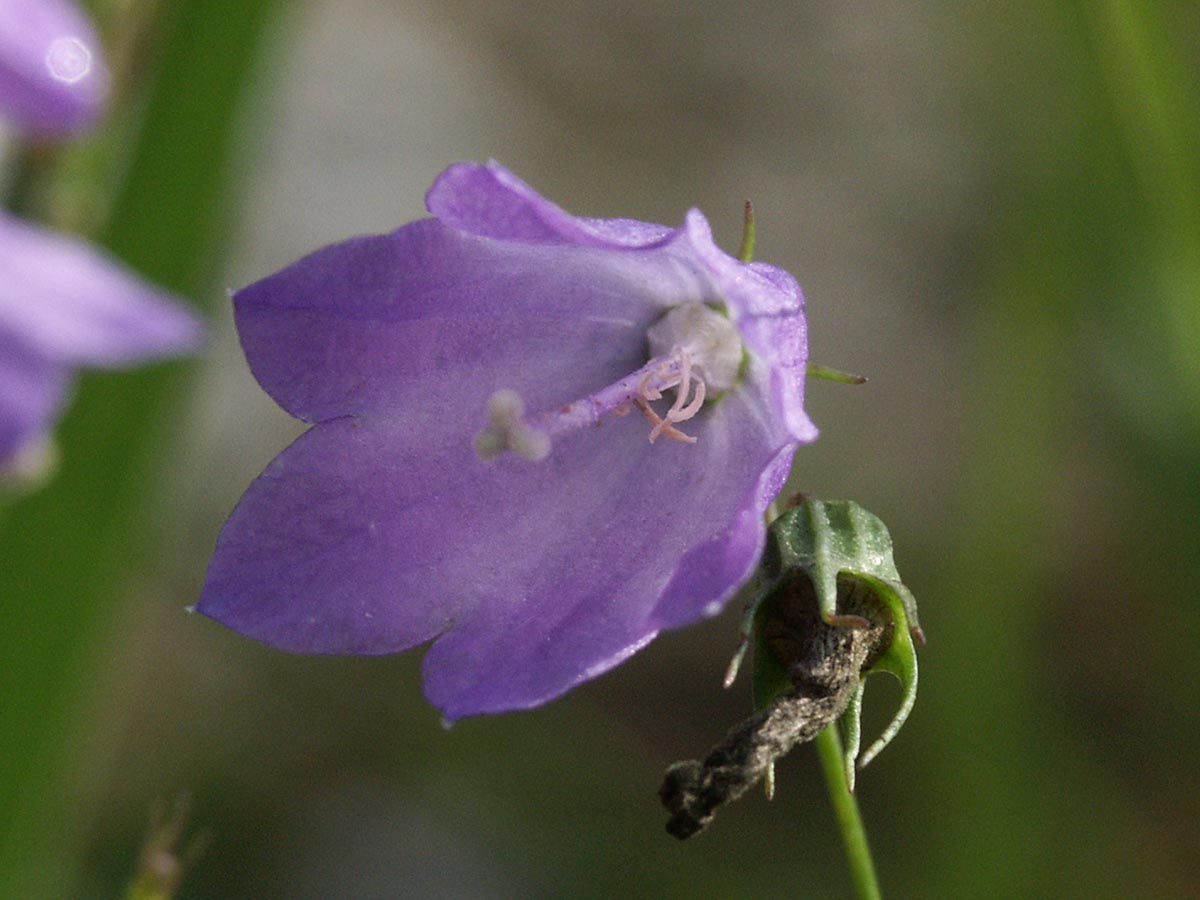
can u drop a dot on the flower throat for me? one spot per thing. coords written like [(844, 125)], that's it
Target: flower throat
[(694, 350)]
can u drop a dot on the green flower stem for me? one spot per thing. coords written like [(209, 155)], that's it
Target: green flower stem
[(845, 808)]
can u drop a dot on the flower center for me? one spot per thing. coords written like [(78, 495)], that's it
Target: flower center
[(694, 351)]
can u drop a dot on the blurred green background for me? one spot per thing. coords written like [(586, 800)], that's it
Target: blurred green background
[(995, 213)]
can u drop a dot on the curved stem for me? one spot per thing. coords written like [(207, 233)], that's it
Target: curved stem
[(845, 809)]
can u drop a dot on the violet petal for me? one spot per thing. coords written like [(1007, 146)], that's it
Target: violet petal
[(361, 539), (381, 528), (32, 389), (428, 309), (53, 81), (76, 306), (491, 201), (63, 305)]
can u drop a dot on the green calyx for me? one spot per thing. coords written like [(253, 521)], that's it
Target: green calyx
[(844, 553)]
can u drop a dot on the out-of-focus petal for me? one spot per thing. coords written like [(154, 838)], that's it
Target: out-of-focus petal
[(53, 80), (63, 305), (70, 304), (32, 390)]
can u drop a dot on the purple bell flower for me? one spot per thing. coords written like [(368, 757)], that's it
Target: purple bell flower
[(64, 305), (538, 440), (53, 81)]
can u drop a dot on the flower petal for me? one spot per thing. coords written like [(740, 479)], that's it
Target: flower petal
[(367, 537), (318, 556), (32, 390), (656, 544), (768, 307), (380, 528), (362, 324), (71, 305), (491, 201), (52, 76)]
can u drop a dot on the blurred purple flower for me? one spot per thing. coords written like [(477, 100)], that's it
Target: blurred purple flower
[(63, 305), (53, 81), (474, 474)]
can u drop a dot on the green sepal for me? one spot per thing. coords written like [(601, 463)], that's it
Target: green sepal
[(851, 725), (770, 676), (825, 540), (900, 659), (746, 251)]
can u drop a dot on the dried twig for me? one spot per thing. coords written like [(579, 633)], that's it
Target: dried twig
[(824, 664)]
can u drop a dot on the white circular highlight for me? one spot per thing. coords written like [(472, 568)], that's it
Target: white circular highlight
[(68, 60)]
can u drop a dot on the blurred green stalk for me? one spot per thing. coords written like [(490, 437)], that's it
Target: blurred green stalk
[(71, 552), (1069, 284), (1156, 108)]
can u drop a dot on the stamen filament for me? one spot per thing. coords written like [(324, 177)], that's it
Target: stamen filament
[(685, 377), (646, 384), (679, 412), (697, 350), (694, 407)]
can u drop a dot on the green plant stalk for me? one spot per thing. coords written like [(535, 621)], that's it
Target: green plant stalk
[(1149, 86), (68, 555), (845, 810)]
